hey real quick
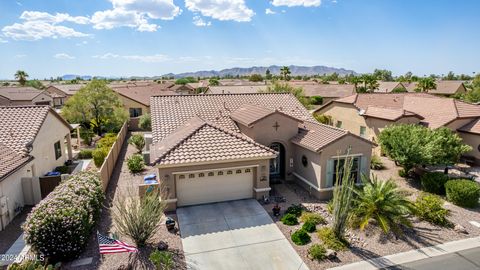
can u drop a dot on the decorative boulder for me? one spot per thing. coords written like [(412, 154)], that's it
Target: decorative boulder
[(162, 246), (331, 254), (460, 229)]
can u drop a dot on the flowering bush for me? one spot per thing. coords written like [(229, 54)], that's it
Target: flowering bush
[(60, 225)]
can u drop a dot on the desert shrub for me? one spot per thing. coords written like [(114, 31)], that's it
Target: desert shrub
[(312, 217), (163, 260), (107, 141), (86, 135), (463, 192), (318, 252), (316, 100), (330, 207), (327, 235), (429, 207), (99, 155), (300, 237), (137, 141), (59, 227), (33, 265), (138, 217), (289, 219), (85, 154), (135, 163), (309, 226), (294, 209), (376, 163), (402, 173), (434, 182), (145, 122)]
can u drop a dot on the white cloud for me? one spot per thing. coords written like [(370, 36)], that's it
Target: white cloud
[(222, 10), (269, 11), (156, 58), (198, 21), (20, 55), (63, 56), (293, 3), (154, 9), (57, 18)]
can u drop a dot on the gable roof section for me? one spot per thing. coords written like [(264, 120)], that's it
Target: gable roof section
[(447, 87), (472, 127), (20, 93), (19, 125), (387, 87), (68, 89), (201, 141), (328, 90), (237, 89), (388, 114), (171, 112), (142, 94), (248, 114), (10, 161)]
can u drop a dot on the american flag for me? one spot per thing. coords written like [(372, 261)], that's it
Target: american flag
[(109, 245)]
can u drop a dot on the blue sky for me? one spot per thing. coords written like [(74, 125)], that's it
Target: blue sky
[(153, 37)]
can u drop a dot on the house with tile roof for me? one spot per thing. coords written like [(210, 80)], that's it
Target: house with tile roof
[(211, 148), (444, 88), (236, 89), (387, 87), (13, 96), (367, 114), (62, 92), (34, 140)]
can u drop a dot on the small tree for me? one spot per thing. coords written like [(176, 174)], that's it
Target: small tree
[(255, 78), (426, 84), (285, 73), (324, 119), (213, 82), (145, 122), (286, 88), (138, 141)]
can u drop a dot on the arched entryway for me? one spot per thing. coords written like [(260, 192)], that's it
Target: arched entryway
[(277, 165)]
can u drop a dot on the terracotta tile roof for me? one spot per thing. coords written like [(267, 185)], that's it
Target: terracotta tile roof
[(387, 87), (436, 111), (202, 141), (20, 93), (387, 113), (443, 87), (238, 82), (171, 112), (248, 114), (142, 93), (328, 90), (11, 160), (237, 89), (68, 89), (472, 127)]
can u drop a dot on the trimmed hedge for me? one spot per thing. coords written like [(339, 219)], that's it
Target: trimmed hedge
[(434, 182), (429, 207), (463, 192), (59, 227), (289, 219), (300, 237), (99, 156), (312, 217), (294, 209)]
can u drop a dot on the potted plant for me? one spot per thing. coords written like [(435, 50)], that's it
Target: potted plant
[(276, 210), (170, 223)]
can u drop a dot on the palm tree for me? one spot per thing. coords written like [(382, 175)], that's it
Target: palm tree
[(285, 72), (426, 84), (21, 76), (369, 82), (383, 202)]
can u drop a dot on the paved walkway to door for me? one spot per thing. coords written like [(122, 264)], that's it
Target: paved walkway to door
[(234, 235)]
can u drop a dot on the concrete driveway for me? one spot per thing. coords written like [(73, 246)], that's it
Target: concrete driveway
[(234, 235)]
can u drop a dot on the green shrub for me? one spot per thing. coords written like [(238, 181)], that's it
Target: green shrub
[(85, 154), (289, 219), (294, 209), (402, 173), (300, 237), (330, 207), (137, 141), (135, 163), (86, 135), (434, 182), (309, 226), (59, 227), (318, 252), (312, 217), (376, 163), (33, 265), (107, 141), (463, 192), (429, 207), (145, 122), (99, 155), (163, 260), (316, 100), (327, 235)]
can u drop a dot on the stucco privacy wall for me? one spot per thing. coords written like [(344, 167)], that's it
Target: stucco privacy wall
[(166, 176), (318, 169)]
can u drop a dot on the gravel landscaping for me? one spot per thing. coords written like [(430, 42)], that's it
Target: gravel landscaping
[(122, 181), (373, 242)]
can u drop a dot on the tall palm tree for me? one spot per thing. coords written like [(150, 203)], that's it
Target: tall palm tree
[(285, 72), (426, 84), (21, 76)]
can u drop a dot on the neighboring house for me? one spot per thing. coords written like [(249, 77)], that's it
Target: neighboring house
[(62, 92), (183, 89), (13, 96), (387, 87), (239, 82), (367, 114), (34, 140), (211, 148), (200, 87), (236, 89), (444, 88), (329, 92)]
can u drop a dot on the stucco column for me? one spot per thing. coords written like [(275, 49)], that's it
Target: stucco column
[(69, 146), (78, 136)]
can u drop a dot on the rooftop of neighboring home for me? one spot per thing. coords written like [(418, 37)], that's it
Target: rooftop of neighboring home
[(387, 87), (68, 89), (443, 87), (238, 82), (20, 93), (236, 89), (185, 127), (472, 127), (435, 111), (177, 87), (141, 93), (328, 90)]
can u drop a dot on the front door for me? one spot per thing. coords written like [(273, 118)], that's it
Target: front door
[(277, 164)]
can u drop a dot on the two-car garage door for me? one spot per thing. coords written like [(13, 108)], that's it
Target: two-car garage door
[(214, 186)]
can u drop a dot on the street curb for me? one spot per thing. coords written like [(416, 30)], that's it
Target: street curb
[(413, 255)]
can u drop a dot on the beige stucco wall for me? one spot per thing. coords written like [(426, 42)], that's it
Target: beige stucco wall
[(43, 97), (474, 141), (52, 130), (11, 187), (129, 103), (167, 176)]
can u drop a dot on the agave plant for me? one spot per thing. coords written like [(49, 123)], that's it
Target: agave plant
[(383, 202)]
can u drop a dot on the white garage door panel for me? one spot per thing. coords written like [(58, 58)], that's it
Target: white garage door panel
[(215, 188)]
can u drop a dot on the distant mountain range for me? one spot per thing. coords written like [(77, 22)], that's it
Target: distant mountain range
[(295, 71)]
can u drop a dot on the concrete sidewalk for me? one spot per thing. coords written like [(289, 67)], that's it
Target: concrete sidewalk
[(414, 255)]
